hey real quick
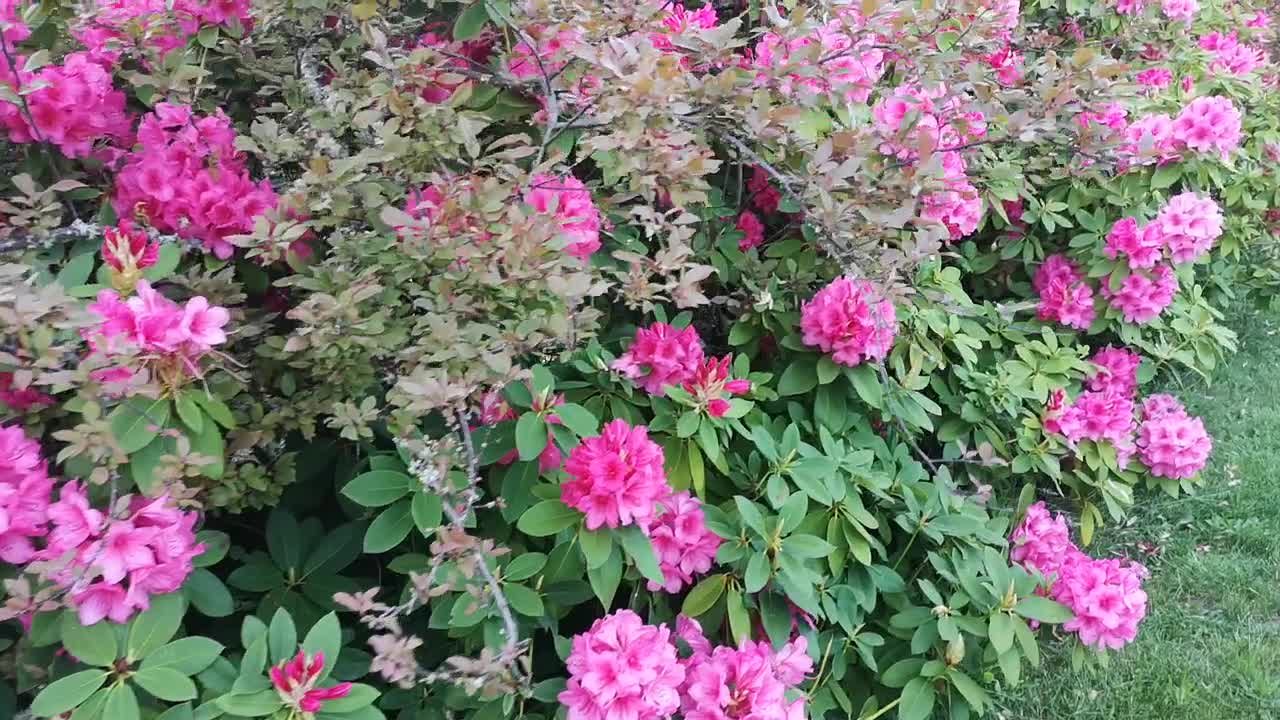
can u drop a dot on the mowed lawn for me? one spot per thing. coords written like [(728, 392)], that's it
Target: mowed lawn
[(1209, 648)]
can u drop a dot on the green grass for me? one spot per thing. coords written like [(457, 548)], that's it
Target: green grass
[(1209, 648)]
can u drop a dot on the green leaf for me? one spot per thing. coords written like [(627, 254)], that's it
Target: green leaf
[(800, 377), (428, 511), (325, 637), (470, 21), (971, 690), (704, 595), (94, 644), (122, 704), (523, 600), (338, 549), (807, 546), (216, 544), (525, 566), (209, 441), (208, 37), (604, 580), (1000, 631), (578, 419), (90, 709), (156, 626), (188, 655), (377, 488), (284, 540), (547, 518), (136, 422), (207, 594), (177, 712), (166, 262), (1165, 176), (166, 684), (827, 370), (640, 550), (867, 384), (255, 704), (1043, 609), (596, 546), (739, 619), (63, 695), (359, 696), (917, 700), (215, 408), (77, 270), (758, 573), (189, 411), (389, 529), (282, 637), (531, 435)]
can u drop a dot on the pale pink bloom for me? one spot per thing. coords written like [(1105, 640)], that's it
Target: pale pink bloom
[(1150, 138), (1230, 56), (1161, 404), (1142, 246), (1189, 224), (1117, 371), (682, 542), (25, 489), (752, 231), (850, 71), (1065, 297), (1209, 124), (710, 384), (1106, 598), (1171, 443), (616, 478), (623, 669), (1142, 296), (1042, 541), (570, 202), (202, 324), (1158, 78), (1130, 7), (122, 549), (660, 356), (849, 319), (74, 519), (295, 682), (1105, 416), (1054, 410), (1183, 10), (958, 207), (102, 600)]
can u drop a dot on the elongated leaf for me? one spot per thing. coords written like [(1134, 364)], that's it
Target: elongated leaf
[(470, 21), (136, 422), (1043, 609), (207, 594), (94, 644), (62, 695), (335, 551), (547, 518), (282, 637), (704, 595), (188, 655), (531, 435), (377, 488), (284, 540), (578, 419), (428, 511), (166, 684), (325, 637), (156, 626), (640, 550), (389, 529)]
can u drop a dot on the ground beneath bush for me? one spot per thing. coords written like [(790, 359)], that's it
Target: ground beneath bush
[(1210, 646)]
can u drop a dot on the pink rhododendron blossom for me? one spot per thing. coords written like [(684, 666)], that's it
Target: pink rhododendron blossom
[(1007, 63), (10, 15), (1230, 56), (494, 409), (1041, 541), (169, 338), (295, 682), (25, 489), (959, 207), (18, 399), (110, 28), (677, 19), (1106, 597), (1183, 10), (752, 231), (750, 682), (1158, 78), (550, 52), (1117, 371), (764, 196), (1130, 7), (1150, 138), (74, 105), (1141, 297), (187, 178), (623, 669), (1105, 416), (126, 248), (1189, 225), (616, 478), (682, 542), (660, 356), (849, 319), (1112, 115), (570, 202), (1209, 124), (439, 78), (1141, 246), (850, 65), (1171, 443), (1259, 21), (710, 384), (1065, 297)]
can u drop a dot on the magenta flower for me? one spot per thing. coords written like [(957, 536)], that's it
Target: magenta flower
[(295, 681), (1106, 597), (660, 356), (750, 682), (25, 487), (1171, 443), (126, 248), (623, 669), (1142, 297), (202, 324), (752, 231), (1209, 124), (1118, 371), (710, 384), (102, 600), (849, 319), (1189, 225), (682, 542), (570, 202), (1065, 297), (1143, 246), (616, 478), (1042, 541)]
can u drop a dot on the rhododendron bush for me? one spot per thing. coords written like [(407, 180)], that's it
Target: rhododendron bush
[(604, 361)]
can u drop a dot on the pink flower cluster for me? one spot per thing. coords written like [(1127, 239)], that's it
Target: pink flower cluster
[(850, 64), (660, 356), (1142, 295), (616, 478), (550, 52), (682, 542), (1105, 595), (440, 79), (1184, 10), (1171, 443), (1117, 371), (170, 338), (295, 682), (188, 178), (494, 409), (76, 106), (752, 231), (9, 15), (764, 196), (1230, 56), (570, 202), (849, 319), (109, 28), (1206, 125), (1189, 224), (1158, 78), (624, 669), (677, 19), (25, 487), (1065, 297), (20, 399), (710, 384)]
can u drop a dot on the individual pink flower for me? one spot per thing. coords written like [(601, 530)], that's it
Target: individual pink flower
[(764, 196), (1105, 597), (710, 384), (168, 337), (849, 319), (295, 682), (850, 68), (1173, 444), (1130, 7), (1105, 416), (73, 519), (550, 52), (751, 681), (1065, 297), (102, 600), (72, 105), (122, 549), (25, 489), (1149, 139), (1158, 78), (1183, 10), (1041, 541), (202, 324), (126, 248), (958, 207), (1142, 246), (660, 356), (682, 542), (17, 31), (1117, 371), (1141, 296), (1159, 405), (570, 202), (678, 19), (752, 231), (21, 400), (623, 669), (1259, 21), (1209, 124), (1007, 63), (616, 478), (1189, 224)]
